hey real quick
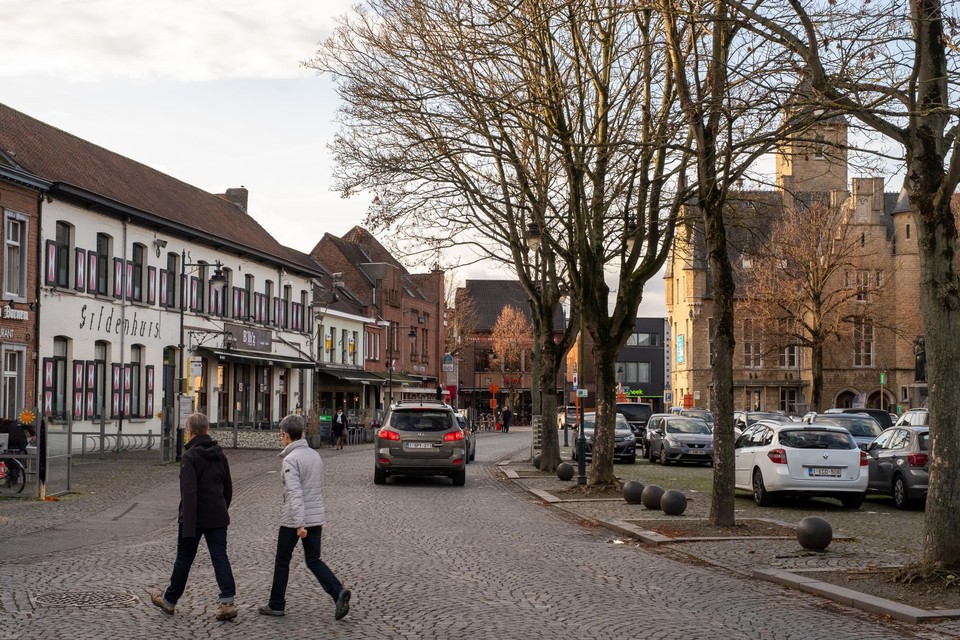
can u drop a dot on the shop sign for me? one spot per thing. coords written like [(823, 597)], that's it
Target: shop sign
[(250, 338)]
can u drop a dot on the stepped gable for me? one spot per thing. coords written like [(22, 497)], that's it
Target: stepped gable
[(72, 163)]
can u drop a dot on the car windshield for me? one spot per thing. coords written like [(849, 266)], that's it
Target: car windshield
[(590, 418), (753, 416), (706, 416), (420, 420), (816, 439), (858, 427), (462, 422), (687, 425)]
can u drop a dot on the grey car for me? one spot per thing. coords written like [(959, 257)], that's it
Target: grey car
[(681, 439), (420, 438), (469, 438), (625, 443), (899, 465), (861, 426)]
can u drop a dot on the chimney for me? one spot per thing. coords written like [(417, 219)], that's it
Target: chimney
[(238, 196)]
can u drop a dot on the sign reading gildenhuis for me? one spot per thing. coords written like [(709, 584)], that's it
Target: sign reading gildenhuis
[(138, 322)]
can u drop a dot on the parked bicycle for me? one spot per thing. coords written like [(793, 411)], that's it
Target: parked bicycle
[(13, 475)]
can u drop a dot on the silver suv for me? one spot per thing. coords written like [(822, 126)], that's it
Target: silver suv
[(421, 438)]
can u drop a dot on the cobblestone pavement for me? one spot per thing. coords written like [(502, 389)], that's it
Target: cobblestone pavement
[(425, 560)]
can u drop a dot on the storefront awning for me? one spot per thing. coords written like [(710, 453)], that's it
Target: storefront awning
[(352, 375), (262, 359), (399, 379)]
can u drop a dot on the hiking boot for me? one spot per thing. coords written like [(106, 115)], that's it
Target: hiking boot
[(343, 604), (166, 607), (226, 611), (265, 610)]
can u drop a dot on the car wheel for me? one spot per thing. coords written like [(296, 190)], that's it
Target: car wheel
[(852, 500), (379, 476), (459, 478), (632, 460), (650, 454), (900, 498), (473, 456), (663, 457), (761, 496)]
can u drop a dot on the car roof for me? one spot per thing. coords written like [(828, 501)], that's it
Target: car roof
[(798, 426)]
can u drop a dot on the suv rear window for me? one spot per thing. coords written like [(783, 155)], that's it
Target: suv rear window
[(421, 420), (816, 439), (634, 412)]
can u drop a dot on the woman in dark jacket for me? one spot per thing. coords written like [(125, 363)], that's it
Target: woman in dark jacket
[(205, 493)]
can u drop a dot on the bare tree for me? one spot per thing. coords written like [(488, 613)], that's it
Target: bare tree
[(513, 342), (811, 282), (891, 66), (487, 124)]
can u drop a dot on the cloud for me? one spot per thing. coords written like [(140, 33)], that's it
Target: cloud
[(180, 40)]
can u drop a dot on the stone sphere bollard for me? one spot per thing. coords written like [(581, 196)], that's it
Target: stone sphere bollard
[(632, 491), (536, 461), (814, 533), (650, 497), (565, 471), (673, 503)]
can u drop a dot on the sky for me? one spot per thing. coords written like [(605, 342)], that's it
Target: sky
[(211, 92)]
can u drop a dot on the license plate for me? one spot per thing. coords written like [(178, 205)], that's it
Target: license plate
[(419, 445), (698, 452), (824, 472)]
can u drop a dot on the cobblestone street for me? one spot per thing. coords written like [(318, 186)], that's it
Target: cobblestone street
[(425, 560)]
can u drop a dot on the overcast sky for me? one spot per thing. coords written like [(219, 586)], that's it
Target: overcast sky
[(208, 91)]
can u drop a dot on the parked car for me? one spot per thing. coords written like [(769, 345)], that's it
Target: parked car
[(469, 438), (744, 419), (681, 439), (567, 416), (422, 438), (625, 443), (899, 464), (919, 416), (774, 458), (862, 427), (882, 416), (652, 425), (637, 414)]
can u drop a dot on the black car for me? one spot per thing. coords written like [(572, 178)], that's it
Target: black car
[(880, 415), (637, 415)]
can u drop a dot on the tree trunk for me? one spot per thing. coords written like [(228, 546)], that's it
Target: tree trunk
[(722, 511), (601, 465), (549, 440), (939, 304), (816, 371)]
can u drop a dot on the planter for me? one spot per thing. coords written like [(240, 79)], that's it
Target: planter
[(315, 441)]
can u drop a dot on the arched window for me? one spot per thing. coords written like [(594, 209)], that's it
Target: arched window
[(60, 350), (136, 368)]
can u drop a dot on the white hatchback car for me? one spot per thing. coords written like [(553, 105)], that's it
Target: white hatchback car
[(787, 458)]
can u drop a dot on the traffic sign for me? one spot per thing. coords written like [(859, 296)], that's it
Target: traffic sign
[(883, 378), (582, 393), (574, 380)]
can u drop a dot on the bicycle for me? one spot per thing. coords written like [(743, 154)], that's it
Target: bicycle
[(13, 475)]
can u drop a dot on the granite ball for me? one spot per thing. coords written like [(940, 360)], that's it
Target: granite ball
[(673, 503), (632, 491), (536, 461), (814, 533), (650, 497), (565, 471)]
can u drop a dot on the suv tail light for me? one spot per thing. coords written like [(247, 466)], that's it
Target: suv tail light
[(387, 434), (917, 459), (453, 435), (863, 458), (777, 456)]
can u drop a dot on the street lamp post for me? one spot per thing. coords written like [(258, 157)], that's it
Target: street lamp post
[(581, 439), (216, 279)]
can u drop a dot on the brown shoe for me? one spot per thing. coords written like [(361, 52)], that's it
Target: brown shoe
[(226, 611), (166, 607)]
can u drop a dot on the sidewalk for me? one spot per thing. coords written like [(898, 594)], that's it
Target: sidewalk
[(877, 535)]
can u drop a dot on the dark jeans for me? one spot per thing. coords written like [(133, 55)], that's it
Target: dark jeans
[(187, 551), (286, 541)]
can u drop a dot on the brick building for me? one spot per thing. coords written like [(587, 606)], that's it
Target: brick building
[(874, 362)]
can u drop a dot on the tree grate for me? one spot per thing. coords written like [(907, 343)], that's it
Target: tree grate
[(86, 599)]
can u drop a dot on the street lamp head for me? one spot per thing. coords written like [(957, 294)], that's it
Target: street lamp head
[(218, 279), (533, 237), (631, 235), (413, 332)]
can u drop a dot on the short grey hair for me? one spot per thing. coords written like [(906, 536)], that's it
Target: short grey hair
[(293, 426)]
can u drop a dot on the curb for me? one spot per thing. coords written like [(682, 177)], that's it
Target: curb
[(842, 595)]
